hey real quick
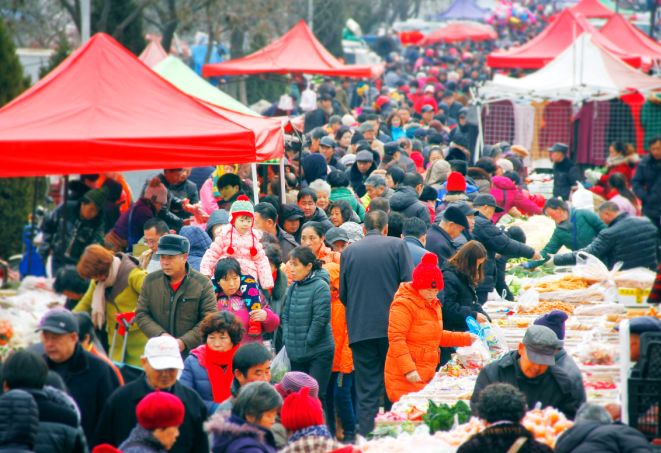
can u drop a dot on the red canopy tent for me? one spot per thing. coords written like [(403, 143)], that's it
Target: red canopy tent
[(297, 51), (460, 31), (619, 30), (153, 53), (552, 41), (592, 9), (104, 110)]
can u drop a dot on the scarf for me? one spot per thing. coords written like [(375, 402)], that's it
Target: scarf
[(219, 368), (316, 430), (99, 296)]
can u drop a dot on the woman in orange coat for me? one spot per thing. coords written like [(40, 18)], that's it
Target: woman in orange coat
[(415, 331)]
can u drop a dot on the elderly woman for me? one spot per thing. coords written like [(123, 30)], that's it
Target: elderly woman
[(248, 428), (340, 190), (415, 331), (208, 368), (323, 190), (116, 284), (340, 212)]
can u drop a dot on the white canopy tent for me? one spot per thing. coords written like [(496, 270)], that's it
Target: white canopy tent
[(584, 71)]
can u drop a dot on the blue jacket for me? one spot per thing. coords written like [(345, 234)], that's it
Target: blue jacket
[(199, 243), (196, 377), (416, 249)]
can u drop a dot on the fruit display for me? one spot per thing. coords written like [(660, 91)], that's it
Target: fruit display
[(6, 331), (546, 424)]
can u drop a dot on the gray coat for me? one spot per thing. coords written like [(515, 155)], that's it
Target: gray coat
[(614, 244), (405, 201), (306, 317), (370, 273)]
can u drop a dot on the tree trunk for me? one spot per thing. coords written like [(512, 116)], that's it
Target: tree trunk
[(171, 26)]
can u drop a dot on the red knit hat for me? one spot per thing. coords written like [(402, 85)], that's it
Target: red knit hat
[(105, 448), (242, 206), (300, 410), (456, 182), (160, 410), (427, 275)]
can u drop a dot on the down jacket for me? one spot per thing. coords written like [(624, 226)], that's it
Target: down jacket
[(496, 241), (257, 266), (615, 244), (306, 317), (565, 176), (509, 196), (575, 233), (344, 193), (343, 358), (141, 441), (415, 333), (588, 437), (646, 184), (234, 435), (19, 421), (459, 299), (405, 201)]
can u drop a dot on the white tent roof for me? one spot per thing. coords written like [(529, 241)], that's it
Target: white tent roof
[(582, 71)]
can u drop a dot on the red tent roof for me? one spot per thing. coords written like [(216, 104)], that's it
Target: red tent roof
[(460, 31), (298, 50), (104, 110), (592, 9), (153, 54), (552, 41), (630, 38)]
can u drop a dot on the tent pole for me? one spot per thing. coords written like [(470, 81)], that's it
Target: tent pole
[(242, 91), (33, 223), (480, 134), (283, 187), (255, 184)]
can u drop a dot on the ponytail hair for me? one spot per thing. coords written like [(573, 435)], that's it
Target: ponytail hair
[(618, 182), (625, 149), (306, 256)]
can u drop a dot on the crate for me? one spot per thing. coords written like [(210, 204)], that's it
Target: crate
[(644, 396)]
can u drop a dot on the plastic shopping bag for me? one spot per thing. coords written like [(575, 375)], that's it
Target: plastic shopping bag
[(582, 198), (475, 356), (280, 366)]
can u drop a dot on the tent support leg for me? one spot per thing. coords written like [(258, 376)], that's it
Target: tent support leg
[(243, 95), (283, 187), (255, 183)]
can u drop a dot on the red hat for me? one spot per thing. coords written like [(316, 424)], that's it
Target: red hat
[(105, 448), (418, 159), (456, 182), (300, 410), (160, 410), (427, 275)]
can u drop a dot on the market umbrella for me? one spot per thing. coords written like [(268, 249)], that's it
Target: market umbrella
[(460, 31)]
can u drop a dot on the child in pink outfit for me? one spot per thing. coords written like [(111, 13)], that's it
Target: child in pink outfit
[(238, 240)]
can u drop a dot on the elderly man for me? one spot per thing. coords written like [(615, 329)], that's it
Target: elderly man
[(154, 229), (441, 236), (89, 380), (614, 244), (327, 149), (162, 363), (360, 171), (533, 370), (175, 299), (565, 172), (375, 187)]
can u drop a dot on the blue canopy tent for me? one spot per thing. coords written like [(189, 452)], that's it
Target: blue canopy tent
[(463, 9)]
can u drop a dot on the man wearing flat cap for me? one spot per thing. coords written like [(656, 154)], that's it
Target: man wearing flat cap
[(565, 172), (176, 298), (533, 370)]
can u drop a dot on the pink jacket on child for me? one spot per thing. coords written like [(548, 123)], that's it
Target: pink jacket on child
[(257, 266)]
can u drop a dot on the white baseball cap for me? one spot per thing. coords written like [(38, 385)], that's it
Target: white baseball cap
[(162, 353)]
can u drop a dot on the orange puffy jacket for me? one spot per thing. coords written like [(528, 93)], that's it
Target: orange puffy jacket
[(343, 359), (415, 332)]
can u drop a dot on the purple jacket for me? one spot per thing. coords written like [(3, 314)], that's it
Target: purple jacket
[(233, 435), (139, 213), (235, 305)]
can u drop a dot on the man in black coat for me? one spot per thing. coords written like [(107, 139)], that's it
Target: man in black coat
[(319, 116), (593, 431), (178, 185), (405, 199), (161, 362), (307, 201), (565, 172), (360, 171), (371, 271), (414, 234), (441, 235), (495, 241), (646, 183), (89, 380), (631, 240), (532, 369)]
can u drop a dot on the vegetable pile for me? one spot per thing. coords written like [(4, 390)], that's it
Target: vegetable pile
[(441, 417)]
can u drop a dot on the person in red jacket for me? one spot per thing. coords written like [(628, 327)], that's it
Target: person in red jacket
[(621, 159), (508, 195)]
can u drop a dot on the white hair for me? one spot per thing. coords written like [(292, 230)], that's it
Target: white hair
[(319, 185)]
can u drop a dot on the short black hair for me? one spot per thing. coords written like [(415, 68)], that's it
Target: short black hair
[(396, 173), (653, 140), (501, 402), (318, 133), (396, 224), (267, 211), (226, 265), (158, 224), (67, 278), (412, 180), (487, 164), (344, 207), (517, 233), (248, 356), (556, 203), (513, 176), (318, 228), (428, 194), (25, 369), (273, 253), (376, 220), (307, 192), (229, 180), (85, 325), (414, 227), (337, 178), (273, 201), (380, 204)]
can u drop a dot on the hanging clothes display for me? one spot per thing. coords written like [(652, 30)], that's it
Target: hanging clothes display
[(635, 102), (621, 127), (557, 124), (650, 118), (535, 151), (524, 125)]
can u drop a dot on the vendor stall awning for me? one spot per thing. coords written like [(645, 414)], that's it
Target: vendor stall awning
[(463, 9), (153, 53), (103, 110), (592, 9), (630, 38), (460, 31), (297, 51), (552, 41)]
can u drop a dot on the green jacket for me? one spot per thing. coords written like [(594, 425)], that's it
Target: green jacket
[(575, 233), (344, 193), (126, 300), (161, 310)]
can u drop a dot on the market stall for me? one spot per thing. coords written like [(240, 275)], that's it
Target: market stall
[(464, 10), (460, 31)]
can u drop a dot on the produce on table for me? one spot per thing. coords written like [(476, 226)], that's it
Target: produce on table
[(546, 306), (442, 417), (565, 283), (462, 433), (6, 331), (538, 230), (600, 385), (546, 424), (422, 442)]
